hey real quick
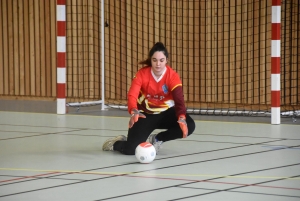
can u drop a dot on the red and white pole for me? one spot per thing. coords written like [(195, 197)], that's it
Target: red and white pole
[(61, 56), (275, 62)]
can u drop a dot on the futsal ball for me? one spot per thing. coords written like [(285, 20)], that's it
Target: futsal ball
[(145, 152)]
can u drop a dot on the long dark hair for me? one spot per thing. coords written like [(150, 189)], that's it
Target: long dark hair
[(158, 47)]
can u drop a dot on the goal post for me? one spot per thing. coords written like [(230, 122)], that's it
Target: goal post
[(61, 56), (275, 62)]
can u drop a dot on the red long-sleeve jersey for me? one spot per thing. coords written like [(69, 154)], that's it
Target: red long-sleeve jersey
[(154, 96)]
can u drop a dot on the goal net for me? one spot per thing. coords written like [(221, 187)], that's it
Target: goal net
[(221, 50)]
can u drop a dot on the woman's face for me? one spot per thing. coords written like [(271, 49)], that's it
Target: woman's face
[(158, 63)]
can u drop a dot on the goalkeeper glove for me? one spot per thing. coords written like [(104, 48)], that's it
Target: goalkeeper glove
[(135, 115), (183, 126)]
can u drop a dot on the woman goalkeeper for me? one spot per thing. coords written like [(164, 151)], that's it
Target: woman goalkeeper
[(155, 101)]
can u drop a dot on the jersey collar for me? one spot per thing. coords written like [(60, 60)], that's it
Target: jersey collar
[(161, 76)]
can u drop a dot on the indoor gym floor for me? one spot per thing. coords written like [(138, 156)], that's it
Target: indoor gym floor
[(44, 156)]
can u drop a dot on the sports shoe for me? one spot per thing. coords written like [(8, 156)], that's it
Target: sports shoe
[(109, 144), (157, 144)]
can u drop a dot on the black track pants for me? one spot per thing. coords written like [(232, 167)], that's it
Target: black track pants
[(145, 126)]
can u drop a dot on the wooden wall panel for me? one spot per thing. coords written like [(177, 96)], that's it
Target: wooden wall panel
[(208, 48), (119, 24), (221, 49), (203, 53), (189, 55), (195, 40), (232, 53), (1, 53), (220, 20), (15, 47), (26, 72), (225, 51), (297, 51), (262, 51), (31, 48), (37, 48), (10, 49), (286, 53), (110, 71), (256, 51), (250, 59), (47, 35), (238, 50), (244, 42), (129, 45), (26, 43), (145, 29), (52, 45), (295, 46)]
